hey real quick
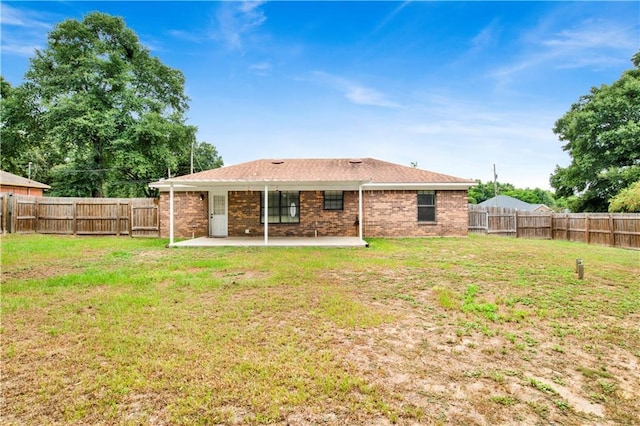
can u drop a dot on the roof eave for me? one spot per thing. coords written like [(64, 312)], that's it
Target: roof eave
[(419, 185), (239, 185)]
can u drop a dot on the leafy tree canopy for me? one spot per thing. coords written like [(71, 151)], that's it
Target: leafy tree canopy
[(110, 115), (627, 200), (205, 157), (602, 135), (20, 135), (484, 191)]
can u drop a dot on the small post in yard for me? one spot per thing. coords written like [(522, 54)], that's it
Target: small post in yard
[(580, 268)]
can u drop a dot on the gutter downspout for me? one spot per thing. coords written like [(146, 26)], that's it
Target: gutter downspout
[(266, 215), (171, 214)]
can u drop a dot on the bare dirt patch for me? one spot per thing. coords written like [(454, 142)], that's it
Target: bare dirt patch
[(458, 366), (420, 332)]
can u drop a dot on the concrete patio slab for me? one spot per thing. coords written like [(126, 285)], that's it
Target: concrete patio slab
[(273, 242)]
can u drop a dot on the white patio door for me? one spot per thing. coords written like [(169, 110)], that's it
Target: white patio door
[(218, 214)]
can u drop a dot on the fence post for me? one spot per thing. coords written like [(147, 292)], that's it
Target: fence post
[(515, 222), (10, 209), (612, 234), (131, 220), (567, 223), (74, 223), (36, 214), (586, 228), (118, 218)]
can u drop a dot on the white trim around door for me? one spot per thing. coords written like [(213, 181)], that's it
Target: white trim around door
[(218, 214)]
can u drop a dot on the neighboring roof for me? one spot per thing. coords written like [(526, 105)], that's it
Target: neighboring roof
[(540, 207), (506, 201), (367, 171), (9, 179)]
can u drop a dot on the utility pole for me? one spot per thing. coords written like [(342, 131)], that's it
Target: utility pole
[(495, 184), (29, 173), (191, 169)]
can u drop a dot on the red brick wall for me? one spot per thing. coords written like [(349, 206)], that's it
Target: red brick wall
[(191, 215), (386, 214), (395, 213), (244, 214)]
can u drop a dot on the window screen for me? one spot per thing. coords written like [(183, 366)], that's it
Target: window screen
[(333, 200), (426, 206), (284, 207)]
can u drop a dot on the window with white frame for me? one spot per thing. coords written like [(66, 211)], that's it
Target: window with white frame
[(426, 206)]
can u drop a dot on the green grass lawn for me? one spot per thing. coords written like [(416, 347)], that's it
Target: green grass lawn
[(480, 330)]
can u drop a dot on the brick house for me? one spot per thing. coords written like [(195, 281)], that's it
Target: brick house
[(15, 184), (313, 197)]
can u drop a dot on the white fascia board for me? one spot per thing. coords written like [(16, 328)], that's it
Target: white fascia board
[(442, 186), (238, 185)]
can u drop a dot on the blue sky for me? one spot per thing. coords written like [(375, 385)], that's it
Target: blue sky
[(453, 86)]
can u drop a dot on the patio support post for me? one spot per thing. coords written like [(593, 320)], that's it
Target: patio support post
[(266, 215), (360, 218), (170, 214)]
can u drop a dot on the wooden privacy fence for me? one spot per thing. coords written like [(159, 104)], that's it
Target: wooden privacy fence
[(136, 217), (617, 229)]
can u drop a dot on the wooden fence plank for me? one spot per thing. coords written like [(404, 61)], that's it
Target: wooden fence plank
[(616, 230), (85, 216)]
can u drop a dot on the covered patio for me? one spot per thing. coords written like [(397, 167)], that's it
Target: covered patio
[(273, 242), (310, 202)]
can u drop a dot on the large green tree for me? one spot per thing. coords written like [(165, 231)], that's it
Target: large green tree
[(21, 141), (602, 135), (114, 111), (627, 200), (205, 157), (484, 191)]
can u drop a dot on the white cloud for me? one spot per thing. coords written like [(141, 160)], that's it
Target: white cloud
[(391, 15), (486, 37), (23, 30), (589, 43), (465, 137), (354, 92), (235, 20), (593, 34), (186, 35), (22, 18), (261, 69), (19, 49)]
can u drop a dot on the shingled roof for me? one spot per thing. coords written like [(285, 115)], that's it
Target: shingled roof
[(365, 170), (9, 179)]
